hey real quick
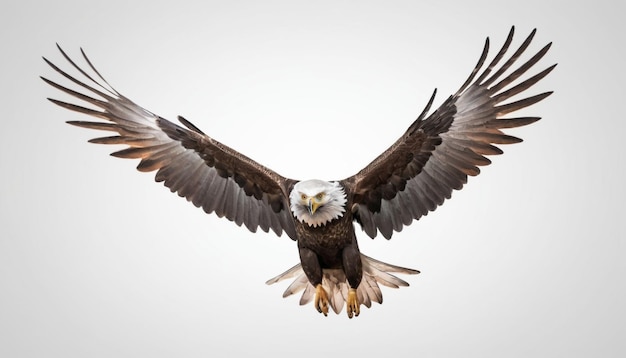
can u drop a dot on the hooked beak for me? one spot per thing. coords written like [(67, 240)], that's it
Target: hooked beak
[(312, 207)]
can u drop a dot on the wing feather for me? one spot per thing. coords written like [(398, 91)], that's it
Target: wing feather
[(448, 145), (195, 166)]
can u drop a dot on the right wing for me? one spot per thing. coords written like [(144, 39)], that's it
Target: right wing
[(190, 163)]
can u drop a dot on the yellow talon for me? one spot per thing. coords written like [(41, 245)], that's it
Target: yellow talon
[(321, 300), (352, 303)]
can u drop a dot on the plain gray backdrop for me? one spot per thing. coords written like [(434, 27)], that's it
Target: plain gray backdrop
[(96, 260)]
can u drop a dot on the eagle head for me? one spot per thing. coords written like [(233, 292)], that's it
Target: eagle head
[(317, 202)]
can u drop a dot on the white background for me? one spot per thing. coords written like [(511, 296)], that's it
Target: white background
[(96, 260)]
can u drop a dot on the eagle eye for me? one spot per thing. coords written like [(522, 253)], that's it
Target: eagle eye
[(319, 196), (303, 196)]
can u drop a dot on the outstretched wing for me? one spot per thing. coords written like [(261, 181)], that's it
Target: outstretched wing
[(437, 153), (190, 163)]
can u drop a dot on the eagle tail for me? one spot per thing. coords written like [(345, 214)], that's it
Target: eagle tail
[(336, 285)]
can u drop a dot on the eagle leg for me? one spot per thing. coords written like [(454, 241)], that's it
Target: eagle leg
[(352, 304), (321, 300)]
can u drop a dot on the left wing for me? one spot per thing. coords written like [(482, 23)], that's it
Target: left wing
[(197, 167), (437, 153)]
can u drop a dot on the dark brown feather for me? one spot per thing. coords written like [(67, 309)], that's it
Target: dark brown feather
[(206, 172), (438, 152)]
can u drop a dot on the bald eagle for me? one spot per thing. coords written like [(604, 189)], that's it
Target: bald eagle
[(414, 176)]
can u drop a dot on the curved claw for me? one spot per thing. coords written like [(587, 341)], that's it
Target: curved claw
[(352, 304), (321, 300)]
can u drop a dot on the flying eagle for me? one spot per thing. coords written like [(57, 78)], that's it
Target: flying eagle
[(413, 177)]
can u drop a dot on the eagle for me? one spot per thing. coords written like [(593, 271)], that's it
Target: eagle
[(415, 175)]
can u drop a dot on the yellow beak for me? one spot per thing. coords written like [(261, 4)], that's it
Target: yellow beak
[(313, 205)]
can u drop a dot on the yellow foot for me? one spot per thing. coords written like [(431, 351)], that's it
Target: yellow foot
[(352, 304), (321, 300)]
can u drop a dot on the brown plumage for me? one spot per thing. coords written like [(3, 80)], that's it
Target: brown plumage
[(416, 174)]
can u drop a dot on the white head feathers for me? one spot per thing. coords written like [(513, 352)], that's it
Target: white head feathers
[(317, 202)]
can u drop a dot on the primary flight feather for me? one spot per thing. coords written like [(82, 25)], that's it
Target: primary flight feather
[(414, 176)]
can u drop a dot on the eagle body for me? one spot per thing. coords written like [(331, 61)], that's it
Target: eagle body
[(331, 246), (435, 156), (327, 241)]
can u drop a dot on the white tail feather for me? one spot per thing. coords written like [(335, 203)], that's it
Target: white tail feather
[(336, 285)]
